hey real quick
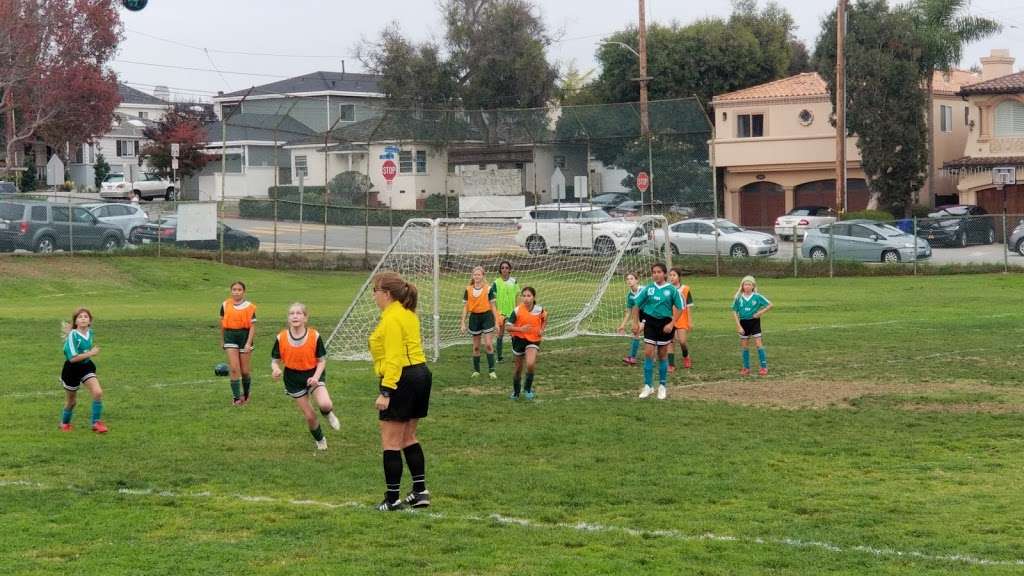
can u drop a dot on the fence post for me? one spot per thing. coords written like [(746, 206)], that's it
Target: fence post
[(1006, 245), (914, 220), (718, 257), (323, 254), (159, 210), (71, 228), (795, 255), (275, 226), (831, 252), (302, 189)]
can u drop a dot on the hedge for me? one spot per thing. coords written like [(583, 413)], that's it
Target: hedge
[(262, 209)]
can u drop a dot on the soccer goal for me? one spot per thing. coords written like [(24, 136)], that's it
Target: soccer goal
[(578, 269)]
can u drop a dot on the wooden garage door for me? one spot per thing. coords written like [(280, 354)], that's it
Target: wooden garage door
[(992, 201), (761, 203), (823, 193)]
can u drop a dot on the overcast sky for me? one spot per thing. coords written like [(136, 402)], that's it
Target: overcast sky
[(300, 36)]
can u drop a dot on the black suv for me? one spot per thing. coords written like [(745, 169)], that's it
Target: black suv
[(44, 227), (957, 225)]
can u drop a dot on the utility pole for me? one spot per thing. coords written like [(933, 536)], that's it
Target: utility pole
[(645, 122), (841, 107)]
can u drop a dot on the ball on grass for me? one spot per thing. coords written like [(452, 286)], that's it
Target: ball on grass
[(220, 369)]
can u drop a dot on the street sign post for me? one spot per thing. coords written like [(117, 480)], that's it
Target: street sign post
[(388, 170)]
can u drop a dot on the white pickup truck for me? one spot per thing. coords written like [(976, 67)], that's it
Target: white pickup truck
[(145, 187)]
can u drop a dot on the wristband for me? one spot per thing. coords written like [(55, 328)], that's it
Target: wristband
[(385, 392)]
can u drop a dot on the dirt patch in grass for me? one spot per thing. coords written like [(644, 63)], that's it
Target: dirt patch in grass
[(965, 408), (57, 267), (813, 394)]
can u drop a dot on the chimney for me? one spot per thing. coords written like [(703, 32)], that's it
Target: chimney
[(996, 65)]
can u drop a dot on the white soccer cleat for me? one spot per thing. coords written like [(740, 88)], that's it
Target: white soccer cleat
[(662, 392), (647, 391), (333, 421), (475, 375), (321, 444), (494, 375)]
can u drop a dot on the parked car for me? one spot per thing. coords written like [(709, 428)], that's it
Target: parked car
[(43, 227), (1016, 240), (698, 236), (166, 230), (125, 216), (865, 240), (803, 218), (958, 225), (8, 188), (631, 208), (576, 228), (609, 200), (147, 187)]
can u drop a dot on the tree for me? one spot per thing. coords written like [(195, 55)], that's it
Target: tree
[(885, 96), (176, 127), (493, 56), (945, 30), (100, 170), (54, 83), (707, 57), (350, 188)]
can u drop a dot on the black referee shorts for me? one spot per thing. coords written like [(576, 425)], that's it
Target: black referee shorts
[(411, 398)]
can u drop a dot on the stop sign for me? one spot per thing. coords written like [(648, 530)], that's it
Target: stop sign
[(643, 181), (388, 170)]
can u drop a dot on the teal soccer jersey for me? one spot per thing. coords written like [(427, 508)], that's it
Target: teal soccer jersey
[(745, 307), (657, 301), (631, 299), (76, 344)]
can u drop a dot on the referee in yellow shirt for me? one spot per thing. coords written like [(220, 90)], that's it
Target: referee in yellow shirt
[(398, 360)]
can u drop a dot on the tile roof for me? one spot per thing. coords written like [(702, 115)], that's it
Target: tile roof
[(316, 82), (810, 84), (130, 95), (1009, 84), (984, 162), (801, 85)]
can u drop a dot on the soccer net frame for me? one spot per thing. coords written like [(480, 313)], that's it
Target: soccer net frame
[(582, 288)]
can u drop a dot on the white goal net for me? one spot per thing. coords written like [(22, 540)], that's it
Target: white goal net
[(577, 268)]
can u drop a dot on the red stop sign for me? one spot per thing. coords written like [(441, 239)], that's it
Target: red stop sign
[(389, 170), (643, 181)]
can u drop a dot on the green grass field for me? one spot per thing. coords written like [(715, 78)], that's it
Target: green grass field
[(887, 440)]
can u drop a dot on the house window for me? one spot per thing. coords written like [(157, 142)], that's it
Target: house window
[(421, 162), (301, 167), (750, 125), (405, 162), (144, 115), (946, 118), (1010, 119), (346, 112), (560, 162), (127, 148), (80, 154)]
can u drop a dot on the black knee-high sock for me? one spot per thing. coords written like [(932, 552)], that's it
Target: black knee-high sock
[(318, 433), (235, 389), (392, 474), (686, 351), (515, 385), (417, 467), (501, 344), (529, 381), (476, 363), (246, 384)]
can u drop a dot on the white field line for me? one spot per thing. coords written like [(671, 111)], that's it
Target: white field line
[(585, 527), (59, 391)]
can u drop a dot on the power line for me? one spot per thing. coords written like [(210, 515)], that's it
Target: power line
[(193, 69), (233, 52)]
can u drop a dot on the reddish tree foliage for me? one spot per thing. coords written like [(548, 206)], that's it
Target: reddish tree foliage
[(54, 83), (179, 127)]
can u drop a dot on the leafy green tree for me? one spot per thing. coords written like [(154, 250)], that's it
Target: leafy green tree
[(885, 96), (945, 29), (349, 188), (100, 171), (29, 178)]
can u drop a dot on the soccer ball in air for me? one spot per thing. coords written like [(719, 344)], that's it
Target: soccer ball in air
[(220, 369)]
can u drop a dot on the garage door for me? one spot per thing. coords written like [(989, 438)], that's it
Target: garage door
[(823, 193), (761, 203), (992, 201)]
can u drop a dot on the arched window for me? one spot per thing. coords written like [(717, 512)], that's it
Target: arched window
[(1010, 119)]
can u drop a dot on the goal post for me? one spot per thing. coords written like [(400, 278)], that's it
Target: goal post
[(576, 267)]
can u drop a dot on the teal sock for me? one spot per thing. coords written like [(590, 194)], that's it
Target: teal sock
[(662, 371), (318, 434), (648, 371), (529, 382), (762, 358), (246, 384), (476, 363), (501, 344), (65, 416), (97, 410), (236, 388), (634, 348), (671, 358), (746, 358), (490, 361)]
